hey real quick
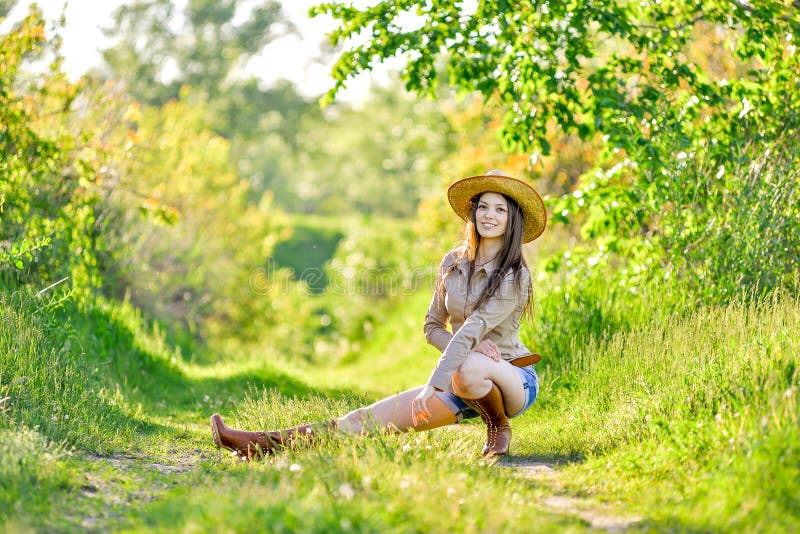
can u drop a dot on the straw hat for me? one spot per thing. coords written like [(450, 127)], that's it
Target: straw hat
[(535, 216)]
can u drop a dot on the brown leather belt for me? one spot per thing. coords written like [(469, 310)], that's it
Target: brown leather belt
[(525, 361)]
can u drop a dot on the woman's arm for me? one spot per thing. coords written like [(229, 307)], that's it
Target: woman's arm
[(436, 332), (496, 310)]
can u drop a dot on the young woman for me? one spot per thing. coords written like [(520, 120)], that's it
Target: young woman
[(483, 288)]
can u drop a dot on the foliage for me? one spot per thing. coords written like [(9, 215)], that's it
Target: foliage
[(82, 163), (207, 46), (721, 231), (6, 6), (50, 172), (738, 232), (194, 266), (629, 72), (617, 68), (214, 39), (279, 141)]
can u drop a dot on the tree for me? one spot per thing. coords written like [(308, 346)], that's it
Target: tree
[(207, 46), (159, 49), (6, 6), (612, 67), (621, 71)]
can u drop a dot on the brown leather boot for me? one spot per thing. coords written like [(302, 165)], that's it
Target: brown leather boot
[(493, 412), (301, 435), (246, 444)]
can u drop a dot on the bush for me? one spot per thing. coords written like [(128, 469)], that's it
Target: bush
[(737, 231), (49, 171)]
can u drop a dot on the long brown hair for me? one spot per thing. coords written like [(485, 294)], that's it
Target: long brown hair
[(508, 259)]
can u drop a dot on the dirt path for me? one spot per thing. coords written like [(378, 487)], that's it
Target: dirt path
[(182, 462), (597, 515), (125, 481), (140, 479)]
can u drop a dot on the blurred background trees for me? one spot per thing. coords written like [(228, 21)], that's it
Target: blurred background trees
[(206, 47), (663, 137)]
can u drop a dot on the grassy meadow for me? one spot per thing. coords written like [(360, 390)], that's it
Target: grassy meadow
[(179, 237), (669, 422)]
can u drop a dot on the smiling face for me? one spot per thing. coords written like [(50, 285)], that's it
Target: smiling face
[(491, 215)]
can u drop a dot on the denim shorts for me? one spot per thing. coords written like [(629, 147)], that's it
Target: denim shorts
[(530, 381)]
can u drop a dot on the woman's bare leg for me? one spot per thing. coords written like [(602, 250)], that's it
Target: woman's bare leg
[(478, 373), (394, 413), (473, 380)]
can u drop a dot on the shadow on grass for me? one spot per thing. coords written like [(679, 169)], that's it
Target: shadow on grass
[(120, 359), (97, 378), (672, 524), (552, 460), (189, 396)]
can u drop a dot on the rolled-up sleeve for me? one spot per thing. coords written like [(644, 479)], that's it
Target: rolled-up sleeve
[(436, 323), (496, 310), (436, 332)]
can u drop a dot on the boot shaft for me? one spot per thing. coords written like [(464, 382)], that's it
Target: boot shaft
[(491, 408), (493, 413)]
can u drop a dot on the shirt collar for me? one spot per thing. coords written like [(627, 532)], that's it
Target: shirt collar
[(489, 267)]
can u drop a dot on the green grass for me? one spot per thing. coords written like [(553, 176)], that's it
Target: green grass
[(31, 470), (688, 423), (697, 413), (398, 484)]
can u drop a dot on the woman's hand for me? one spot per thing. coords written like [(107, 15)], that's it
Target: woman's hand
[(488, 348), (419, 406)]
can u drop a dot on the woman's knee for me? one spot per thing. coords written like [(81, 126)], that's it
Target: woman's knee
[(471, 374)]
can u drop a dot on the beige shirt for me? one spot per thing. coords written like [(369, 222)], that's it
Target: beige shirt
[(497, 320)]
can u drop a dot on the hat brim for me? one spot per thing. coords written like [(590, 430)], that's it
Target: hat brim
[(534, 213)]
